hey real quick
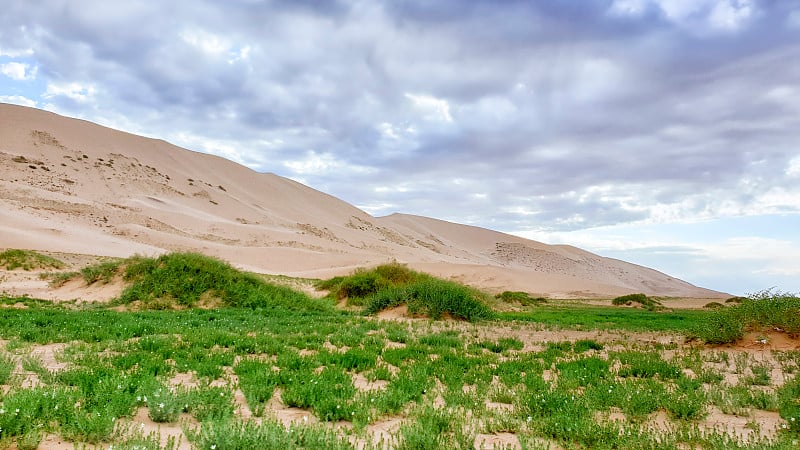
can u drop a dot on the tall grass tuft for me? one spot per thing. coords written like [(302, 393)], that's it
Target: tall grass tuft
[(434, 298)]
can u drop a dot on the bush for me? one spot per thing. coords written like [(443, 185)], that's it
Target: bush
[(647, 302), (391, 285), (364, 283), (522, 298), (187, 279), (433, 297), (762, 311)]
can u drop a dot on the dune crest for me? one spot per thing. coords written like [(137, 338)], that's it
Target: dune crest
[(68, 185)]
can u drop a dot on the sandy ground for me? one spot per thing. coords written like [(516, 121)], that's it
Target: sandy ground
[(753, 350)]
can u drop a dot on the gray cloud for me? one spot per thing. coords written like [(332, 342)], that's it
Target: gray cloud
[(533, 115)]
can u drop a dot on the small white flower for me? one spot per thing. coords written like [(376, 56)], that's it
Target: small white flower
[(161, 405), (213, 446)]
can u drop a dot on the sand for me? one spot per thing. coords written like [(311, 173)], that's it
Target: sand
[(68, 185)]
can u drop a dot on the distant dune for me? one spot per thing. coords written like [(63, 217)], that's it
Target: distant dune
[(69, 185)]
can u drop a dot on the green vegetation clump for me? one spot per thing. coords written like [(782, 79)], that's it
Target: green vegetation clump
[(103, 271), (523, 298), (762, 311), (394, 284), (646, 302), (363, 283), (185, 280), (12, 259)]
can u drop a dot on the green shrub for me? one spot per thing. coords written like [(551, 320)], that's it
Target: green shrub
[(362, 283), (104, 272), (762, 311), (789, 404), (435, 298), (12, 259), (183, 279), (646, 302), (523, 298)]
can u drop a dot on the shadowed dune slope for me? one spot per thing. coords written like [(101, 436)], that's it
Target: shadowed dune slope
[(69, 185)]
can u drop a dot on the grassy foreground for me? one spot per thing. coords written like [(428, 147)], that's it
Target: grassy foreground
[(443, 384)]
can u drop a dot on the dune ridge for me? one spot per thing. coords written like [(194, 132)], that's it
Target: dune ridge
[(68, 185)]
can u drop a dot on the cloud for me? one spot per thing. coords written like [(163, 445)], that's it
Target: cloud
[(18, 71), (18, 100), (533, 117)]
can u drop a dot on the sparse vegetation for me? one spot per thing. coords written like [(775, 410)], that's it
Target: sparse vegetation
[(13, 259), (439, 384)]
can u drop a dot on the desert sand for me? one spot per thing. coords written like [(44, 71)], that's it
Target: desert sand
[(72, 186)]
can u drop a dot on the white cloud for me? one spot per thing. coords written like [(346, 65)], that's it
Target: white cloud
[(730, 15), (16, 53), (18, 71), (17, 100), (434, 109), (75, 91), (206, 42), (794, 168), (320, 163)]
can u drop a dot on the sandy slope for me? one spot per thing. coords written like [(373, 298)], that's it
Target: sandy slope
[(73, 186)]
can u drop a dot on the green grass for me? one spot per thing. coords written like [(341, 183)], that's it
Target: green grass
[(13, 259), (609, 318), (184, 280), (765, 311), (394, 284), (437, 380), (646, 302), (523, 298)]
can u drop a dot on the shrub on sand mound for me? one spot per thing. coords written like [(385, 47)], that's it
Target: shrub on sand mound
[(364, 283), (646, 302), (394, 284), (187, 279), (12, 259), (434, 298), (523, 298), (764, 311)]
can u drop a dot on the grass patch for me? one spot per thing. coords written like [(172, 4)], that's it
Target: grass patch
[(363, 283), (609, 318), (391, 285), (523, 298), (13, 259), (764, 311), (184, 280), (646, 302)]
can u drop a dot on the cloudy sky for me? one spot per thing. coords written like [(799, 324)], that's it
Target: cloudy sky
[(662, 132)]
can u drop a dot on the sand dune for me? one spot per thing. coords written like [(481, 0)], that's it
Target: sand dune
[(72, 186)]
